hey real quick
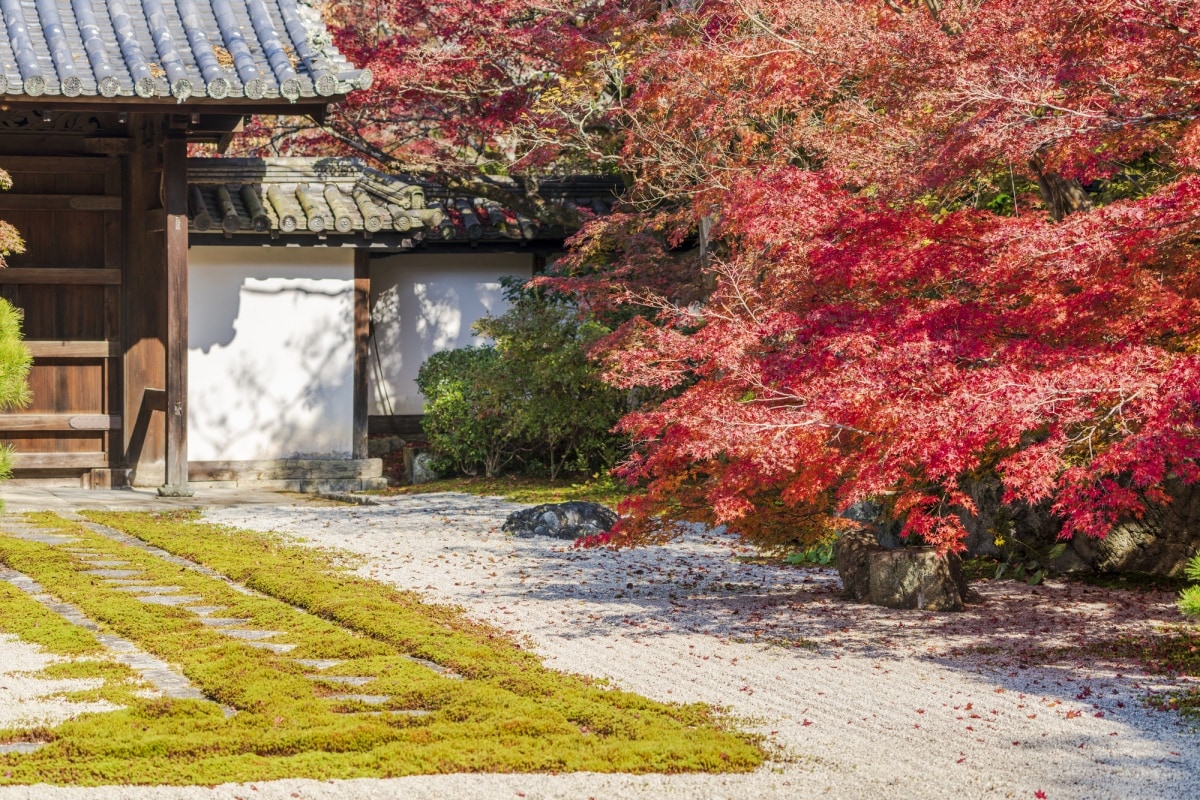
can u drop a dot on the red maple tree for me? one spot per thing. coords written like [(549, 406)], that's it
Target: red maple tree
[(935, 239)]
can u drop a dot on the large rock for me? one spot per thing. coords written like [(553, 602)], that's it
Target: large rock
[(422, 469), (905, 577), (917, 577), (852, 557), (1162, 542), (1029, 523), (561, 520)]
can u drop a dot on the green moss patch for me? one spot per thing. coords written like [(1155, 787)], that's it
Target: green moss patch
[(507, 714), (519, 489), (30, 620)]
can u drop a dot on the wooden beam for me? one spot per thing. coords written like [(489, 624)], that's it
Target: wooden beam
[(56, 164), (108, 146), (175, 201), (59, 460), (59, 422), (46, 348), (155, 220), (362, 333), (61, 275), (59, 202)]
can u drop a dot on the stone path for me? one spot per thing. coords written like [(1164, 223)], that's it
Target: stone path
[(123, 576)]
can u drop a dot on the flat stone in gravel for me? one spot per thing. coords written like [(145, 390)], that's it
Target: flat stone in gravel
[(43, 538), (348, 680), (272, 646), (319, 663), (169, 599), (249, 635), (149, 589), (205, 610), (369, 699)]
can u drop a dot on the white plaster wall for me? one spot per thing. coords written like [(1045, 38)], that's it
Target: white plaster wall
[(270, 352), (423, 303)]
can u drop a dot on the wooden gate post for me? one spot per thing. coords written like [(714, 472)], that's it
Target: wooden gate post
[(175, 202)]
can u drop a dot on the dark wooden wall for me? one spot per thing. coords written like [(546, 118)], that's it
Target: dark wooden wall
[(90, 285)]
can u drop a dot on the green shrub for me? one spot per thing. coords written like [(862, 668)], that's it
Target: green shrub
[(466, 421), (534, 397), (559, 404), (14, 356), (1189, 599)]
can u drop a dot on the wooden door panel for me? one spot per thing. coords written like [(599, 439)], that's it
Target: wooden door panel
[(69, 222)]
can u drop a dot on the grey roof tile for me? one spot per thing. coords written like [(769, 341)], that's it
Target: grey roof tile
[(339, 196), (183, 50)]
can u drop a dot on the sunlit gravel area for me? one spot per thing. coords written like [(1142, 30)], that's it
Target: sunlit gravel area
[(27, 701), (855, 701)]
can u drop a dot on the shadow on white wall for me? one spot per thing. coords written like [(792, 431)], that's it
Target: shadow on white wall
[(422, 304), (270, 353)]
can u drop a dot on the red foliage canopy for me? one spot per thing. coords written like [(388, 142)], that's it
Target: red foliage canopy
[(939, 238)]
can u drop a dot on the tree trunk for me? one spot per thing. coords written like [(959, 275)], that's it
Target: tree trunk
[(1062, 196)]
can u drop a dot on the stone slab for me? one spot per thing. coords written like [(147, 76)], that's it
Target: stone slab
[(272, 646), (149, 589), (249, 635), (169, 600), (348, 680)]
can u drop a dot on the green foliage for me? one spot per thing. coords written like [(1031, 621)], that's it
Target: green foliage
[(1027, 561), (14, 357), (1189, 598), (466, 394), (600, 488), (819, 554), (534, 396), (561, 407)]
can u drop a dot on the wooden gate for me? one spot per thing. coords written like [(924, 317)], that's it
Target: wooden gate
[(68, 282)]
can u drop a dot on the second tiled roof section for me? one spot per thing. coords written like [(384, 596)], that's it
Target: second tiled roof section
[(171, 49), (336, 196)]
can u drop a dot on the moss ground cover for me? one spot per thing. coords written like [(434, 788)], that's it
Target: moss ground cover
[(507, 713), (521, 489), (85, 657)]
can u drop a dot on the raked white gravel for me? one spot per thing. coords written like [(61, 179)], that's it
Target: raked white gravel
[(27, 701), (857, 701)]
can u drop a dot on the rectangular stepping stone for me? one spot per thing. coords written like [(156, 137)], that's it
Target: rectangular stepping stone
[(204, 611), (318, 663), (113, 573), (438, 668), (169, 599), (20, 747), (45, 538), (250, 635), (369, 699), (103, 564), (349, 680), (218, 622), (272, 646), (128, 582), (149, 589)]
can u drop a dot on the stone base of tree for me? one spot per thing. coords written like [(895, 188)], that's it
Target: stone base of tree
[(906, 577)]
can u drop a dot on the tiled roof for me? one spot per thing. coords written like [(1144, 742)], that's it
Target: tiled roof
[(241, 198), (178, 49)]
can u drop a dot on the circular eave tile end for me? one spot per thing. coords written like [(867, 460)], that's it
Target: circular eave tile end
[(218, 89), (35, 86)]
